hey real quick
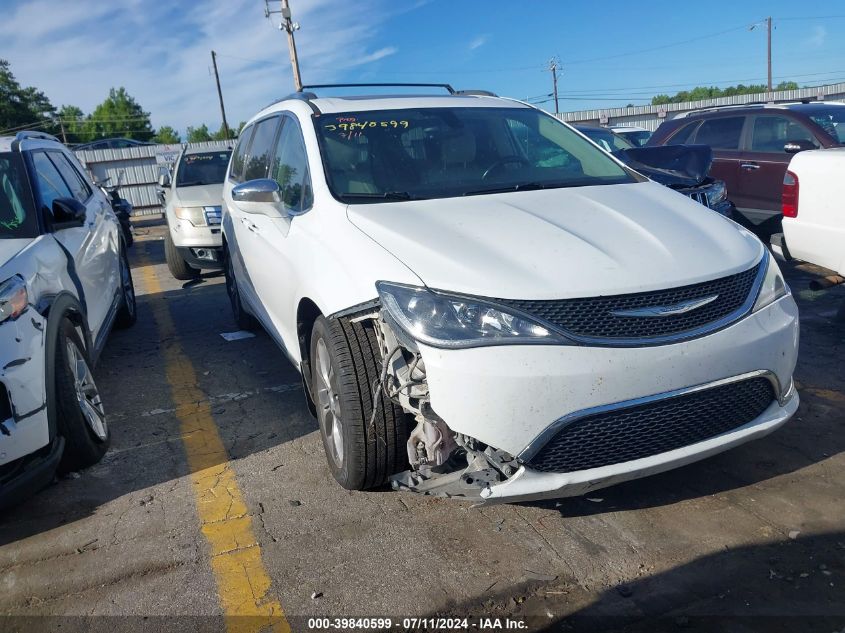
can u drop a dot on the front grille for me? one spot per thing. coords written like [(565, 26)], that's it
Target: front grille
[(625, 434), (593, 317)]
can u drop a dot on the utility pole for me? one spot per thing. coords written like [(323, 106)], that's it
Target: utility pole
[(220, 94), (289, 26), (64, 136), (769, 44), (553, 68)]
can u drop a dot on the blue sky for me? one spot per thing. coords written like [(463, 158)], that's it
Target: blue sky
[(612, 52)]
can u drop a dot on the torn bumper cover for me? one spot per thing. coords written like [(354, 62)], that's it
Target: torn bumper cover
[(24, 428), (519, 399)]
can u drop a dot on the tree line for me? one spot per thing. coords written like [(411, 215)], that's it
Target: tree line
[(711, 92), (118, 116)]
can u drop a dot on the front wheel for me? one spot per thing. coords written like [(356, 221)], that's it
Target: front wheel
[(79, 408), (179, 268), (362, 450), (128, 313), (243, 319)]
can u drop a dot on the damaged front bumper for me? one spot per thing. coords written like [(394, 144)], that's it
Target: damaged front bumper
[(503, 403), (24, 428)]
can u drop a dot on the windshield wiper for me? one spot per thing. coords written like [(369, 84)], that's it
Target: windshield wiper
[(387, 195), (523, 186), (191, 183)]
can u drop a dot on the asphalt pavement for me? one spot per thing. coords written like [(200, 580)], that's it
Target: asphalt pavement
[(215, 500)]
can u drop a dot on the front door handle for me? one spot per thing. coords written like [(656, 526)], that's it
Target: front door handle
[(249, 225), (749, 166)]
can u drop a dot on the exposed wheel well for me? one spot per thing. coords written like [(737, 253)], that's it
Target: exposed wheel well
[(306, 315)]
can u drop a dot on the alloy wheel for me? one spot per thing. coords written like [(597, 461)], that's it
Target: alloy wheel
[(87, 394), (328, 404), (128, 286)]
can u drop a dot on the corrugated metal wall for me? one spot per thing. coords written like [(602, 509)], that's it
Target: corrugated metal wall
[(650, 117), (141, 167)]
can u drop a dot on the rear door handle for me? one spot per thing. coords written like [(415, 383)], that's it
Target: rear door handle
[(749, 166)]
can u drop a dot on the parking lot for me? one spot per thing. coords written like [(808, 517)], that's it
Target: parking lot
[(215, 496)]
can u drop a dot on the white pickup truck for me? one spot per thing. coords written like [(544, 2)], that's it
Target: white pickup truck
[(814, 209)]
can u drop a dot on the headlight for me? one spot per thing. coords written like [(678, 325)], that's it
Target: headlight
[(774, 287), (194, 215), (717, 193), (444, 320), (13, 298)]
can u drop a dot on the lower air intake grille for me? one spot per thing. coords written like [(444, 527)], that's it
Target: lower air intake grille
[(648, 429)]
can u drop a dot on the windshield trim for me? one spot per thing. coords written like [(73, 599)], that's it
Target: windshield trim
[(632, 175)]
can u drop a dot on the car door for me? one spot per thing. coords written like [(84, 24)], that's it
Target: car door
[(723, 134), (274, 238), (91, 247), (764, 163), (256, 164)]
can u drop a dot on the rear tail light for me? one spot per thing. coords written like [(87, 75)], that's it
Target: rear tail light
[(789, 199)]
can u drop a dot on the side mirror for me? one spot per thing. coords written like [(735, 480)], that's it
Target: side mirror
[(164, 180), (793, 147), (68, 213), (262, 196)]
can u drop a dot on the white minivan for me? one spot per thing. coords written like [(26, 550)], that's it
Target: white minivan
[(483, 304)]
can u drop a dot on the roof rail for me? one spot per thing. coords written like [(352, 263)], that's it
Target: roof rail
[(446, 87), (31, 134), (476, 93)]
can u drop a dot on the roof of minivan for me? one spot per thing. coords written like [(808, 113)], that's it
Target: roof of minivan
[(331, 105)]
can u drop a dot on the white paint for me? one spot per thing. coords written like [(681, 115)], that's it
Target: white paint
[(817, 235)]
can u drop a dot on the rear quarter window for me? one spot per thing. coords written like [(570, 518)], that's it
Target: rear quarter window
[(683, 134), (720, 133)]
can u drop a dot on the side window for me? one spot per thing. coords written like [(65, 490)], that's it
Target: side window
[(80, 190), (720, 133), (239, 157), (290, 168), (50, 183), (771, 133), (682, 136), (261, 149)]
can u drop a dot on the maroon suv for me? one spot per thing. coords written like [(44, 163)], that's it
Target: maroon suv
[(752, 145)]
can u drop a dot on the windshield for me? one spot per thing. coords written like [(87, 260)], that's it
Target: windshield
[(445, 152), (833, 122), (15, 219), (207, 168), (607, 140), (637, 137)]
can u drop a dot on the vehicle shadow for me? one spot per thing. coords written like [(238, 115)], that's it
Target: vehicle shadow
[(789, 585), (253, 392)]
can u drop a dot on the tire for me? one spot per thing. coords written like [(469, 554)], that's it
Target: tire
[(128, 313), (243, 319), (179, 268), (83, 426), (345, 364)]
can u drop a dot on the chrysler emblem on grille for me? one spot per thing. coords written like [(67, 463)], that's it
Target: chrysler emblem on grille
[(663, 311)]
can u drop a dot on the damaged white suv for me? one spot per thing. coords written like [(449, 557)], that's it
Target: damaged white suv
[(64, 282), (483, 304)]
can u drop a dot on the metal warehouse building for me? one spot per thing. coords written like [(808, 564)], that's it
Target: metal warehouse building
[(651, 116)]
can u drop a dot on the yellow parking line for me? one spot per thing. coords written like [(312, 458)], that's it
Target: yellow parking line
[(243, 584)]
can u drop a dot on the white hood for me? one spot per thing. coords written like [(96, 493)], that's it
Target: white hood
[(11, 247), (199, 196), (560, 243)]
